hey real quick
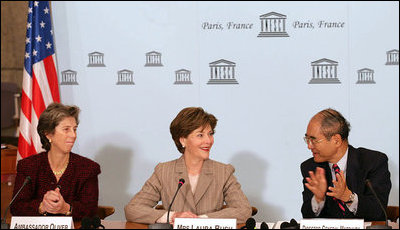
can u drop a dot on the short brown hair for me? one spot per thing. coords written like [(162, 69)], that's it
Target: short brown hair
[(51, 117), (188, 120)]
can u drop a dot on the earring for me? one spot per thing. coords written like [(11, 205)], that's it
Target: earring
[(183, 146), (50, 140)]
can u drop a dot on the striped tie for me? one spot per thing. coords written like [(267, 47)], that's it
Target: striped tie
[(339, 202)]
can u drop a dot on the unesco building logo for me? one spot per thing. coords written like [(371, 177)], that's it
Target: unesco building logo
[(222, 72), (96, 59), (273, 25), (324, 71), (68, 77)]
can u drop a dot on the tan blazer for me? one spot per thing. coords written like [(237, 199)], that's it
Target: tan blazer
[(216, 185)]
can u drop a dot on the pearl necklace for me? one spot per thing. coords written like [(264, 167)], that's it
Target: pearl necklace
[(62, 170)]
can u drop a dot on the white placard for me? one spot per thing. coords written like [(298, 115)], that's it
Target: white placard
[(319, 223), (42, 222), (204, 223)]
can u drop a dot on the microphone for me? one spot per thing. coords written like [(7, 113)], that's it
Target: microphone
[(294, 223), (4, 225), (86, 223), (250, 224), (168, 225), (290, 225), (91, 223), (386, 226), (264, 225), (97, 222), (181, 182), (285, 225)]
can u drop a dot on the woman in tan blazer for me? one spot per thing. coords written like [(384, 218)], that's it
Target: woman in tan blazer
[(209, 184)]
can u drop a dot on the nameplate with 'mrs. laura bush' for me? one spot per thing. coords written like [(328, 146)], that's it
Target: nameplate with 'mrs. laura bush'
[(42, 222), (204, 223)]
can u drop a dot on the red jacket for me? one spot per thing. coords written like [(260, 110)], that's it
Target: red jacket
[(79, 185)]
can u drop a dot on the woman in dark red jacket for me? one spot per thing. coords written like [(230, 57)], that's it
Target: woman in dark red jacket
[(62, 182)]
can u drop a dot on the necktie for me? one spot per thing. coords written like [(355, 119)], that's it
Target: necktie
[(339, 202)]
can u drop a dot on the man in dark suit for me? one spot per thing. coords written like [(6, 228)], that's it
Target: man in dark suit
[(334, 178)]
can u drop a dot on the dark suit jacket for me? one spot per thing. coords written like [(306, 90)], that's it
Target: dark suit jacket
[(216, 185), (362, 164), (79, 185)]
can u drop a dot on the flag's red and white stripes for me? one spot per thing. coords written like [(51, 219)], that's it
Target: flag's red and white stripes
[(39, 84), (38, 91)]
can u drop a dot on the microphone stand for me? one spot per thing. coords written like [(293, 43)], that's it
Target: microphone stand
[(386, 226), (167, 225), (4, 225)]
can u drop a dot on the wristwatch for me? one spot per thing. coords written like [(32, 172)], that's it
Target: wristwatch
[(351, 198), (69, 212)]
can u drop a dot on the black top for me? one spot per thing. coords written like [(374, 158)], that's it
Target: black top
[(362, 164)]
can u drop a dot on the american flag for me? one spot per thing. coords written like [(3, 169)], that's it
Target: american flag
[(39, 84)]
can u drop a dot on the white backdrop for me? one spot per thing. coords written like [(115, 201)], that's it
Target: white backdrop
[(262, 119)]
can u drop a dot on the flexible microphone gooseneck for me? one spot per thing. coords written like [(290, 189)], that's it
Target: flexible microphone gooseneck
[(4, 225), (168, 225), (386, 226), (181, 182)]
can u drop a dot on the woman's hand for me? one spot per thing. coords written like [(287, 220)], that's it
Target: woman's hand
[(182, 215), (53, 202)]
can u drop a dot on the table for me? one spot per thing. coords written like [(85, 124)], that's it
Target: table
[(116, 224), (111, 224)]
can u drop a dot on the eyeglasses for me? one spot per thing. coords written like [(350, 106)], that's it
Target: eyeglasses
[(309, 140)]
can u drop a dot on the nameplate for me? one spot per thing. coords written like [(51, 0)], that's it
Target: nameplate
[(204, 223), (42, 222), (319, 223)]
